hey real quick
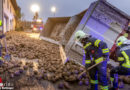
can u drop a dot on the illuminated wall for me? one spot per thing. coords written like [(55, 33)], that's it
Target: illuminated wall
[(9, 16)]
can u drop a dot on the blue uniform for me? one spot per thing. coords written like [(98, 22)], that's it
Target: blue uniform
[(95, 52), (123, 55)]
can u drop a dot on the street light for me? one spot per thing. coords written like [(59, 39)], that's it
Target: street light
[(53, 10), (35, 8)]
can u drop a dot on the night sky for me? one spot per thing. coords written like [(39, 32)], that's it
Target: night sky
[(65, 7)]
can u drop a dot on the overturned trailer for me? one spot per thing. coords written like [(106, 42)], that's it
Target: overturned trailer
[(102, 20)]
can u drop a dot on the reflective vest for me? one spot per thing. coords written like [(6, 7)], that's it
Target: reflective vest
[(95, 49), (123, 55), (0, 23)]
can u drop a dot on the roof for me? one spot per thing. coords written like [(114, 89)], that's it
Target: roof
[(59, 19), (14, 3), (82, 13), (16, 7)]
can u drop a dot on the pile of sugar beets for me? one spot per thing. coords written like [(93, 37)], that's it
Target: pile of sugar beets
[(48, 66), (29, 73)]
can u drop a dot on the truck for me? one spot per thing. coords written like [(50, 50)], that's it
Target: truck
[(37, 25), (103, 21)]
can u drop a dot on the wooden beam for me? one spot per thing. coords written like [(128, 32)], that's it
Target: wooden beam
[(62, 54)]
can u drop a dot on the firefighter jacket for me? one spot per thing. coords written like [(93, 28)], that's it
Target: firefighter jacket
[(123, 55), (95, 50)]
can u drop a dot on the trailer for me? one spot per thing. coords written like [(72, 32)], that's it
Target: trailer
[(102, 21)]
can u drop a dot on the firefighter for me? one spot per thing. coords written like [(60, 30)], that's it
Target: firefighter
[(95, 52), (1, 36), (123, 56)]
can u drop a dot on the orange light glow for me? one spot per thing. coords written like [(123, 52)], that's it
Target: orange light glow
[(33, 35)]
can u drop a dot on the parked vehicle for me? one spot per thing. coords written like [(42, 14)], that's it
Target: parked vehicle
[(37, 25)]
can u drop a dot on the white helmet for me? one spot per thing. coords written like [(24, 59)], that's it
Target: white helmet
[(80, 34), (121, 40)]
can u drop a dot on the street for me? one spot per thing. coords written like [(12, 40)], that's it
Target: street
[(39, 62), (64, 45)]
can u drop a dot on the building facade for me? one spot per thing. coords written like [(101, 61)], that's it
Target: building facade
[(9, 14)]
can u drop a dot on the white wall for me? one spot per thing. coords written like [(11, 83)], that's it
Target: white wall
[(9, 16)]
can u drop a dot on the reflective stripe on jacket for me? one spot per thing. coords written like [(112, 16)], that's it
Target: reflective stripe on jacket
[(95, 49), (123, 54)]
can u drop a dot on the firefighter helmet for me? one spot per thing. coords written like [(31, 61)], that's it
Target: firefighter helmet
[(0, 23), (121, 40), (80, 34)]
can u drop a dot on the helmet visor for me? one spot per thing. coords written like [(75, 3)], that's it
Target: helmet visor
[(78, 38)]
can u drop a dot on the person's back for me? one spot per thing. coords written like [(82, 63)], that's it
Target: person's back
[(95, 53), (124, 52), (96, 49)]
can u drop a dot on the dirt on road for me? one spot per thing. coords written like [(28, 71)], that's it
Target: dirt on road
[(37, 65), (37, 61)]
